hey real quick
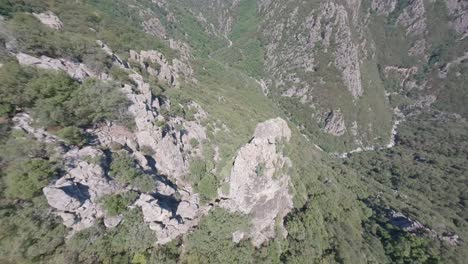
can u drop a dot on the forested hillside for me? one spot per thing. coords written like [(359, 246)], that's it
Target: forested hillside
[(237, 131)]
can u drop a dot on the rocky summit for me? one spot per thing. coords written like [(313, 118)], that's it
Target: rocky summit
[(234, 131), (259, 184)]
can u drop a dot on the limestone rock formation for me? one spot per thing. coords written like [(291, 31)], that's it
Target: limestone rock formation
[(413, 226), (459, 10), (259, 184), (384, 7), (77, 71), (76, 195), (23, 122), (329, 23), (169, 217), (154, 27), (413, 18), (335, 123), (49, 19), (172, 208), (156, 65)]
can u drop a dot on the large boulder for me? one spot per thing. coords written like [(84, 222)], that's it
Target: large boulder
[(152, 211), (60, 200), (77, 71), (259, 184), (335, 123), (49, 19)]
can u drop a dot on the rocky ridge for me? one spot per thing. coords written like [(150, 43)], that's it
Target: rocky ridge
[(259, 182), (334, 123), (172, 208), (163, 151), (77, 71)]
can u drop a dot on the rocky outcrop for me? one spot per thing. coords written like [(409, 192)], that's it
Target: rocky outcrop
[(169, 145), (413, 18), (383, 7), (156, 65), (217, 14), (76, 195), (170, 210), (335, 123), (161, 145), (259, 184), (49, 19), (154, 27), (295, 63), (23, 122), (445, 70), (116, 60), (405, 76), (459, 11), (169, 217), (413, 226), (346, 58), (77, 71)]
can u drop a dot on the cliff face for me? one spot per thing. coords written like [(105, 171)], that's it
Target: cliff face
[(315, 58), (322, 57), (259, 182)]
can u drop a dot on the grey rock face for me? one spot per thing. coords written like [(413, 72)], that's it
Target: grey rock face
[(413, 18), (327, 24), (156, 65), (80, 189), (459, 10), (154, 27), (111, 222), (346, 59), (168, 217), (152, 211), (77, 71), (49, 19), (59, 199), (335, 123), (384, 7), (258, 184), (413, 226), (23, 122)]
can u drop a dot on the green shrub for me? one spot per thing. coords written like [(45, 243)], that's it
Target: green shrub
[(194, 142), (13, 81), (204, 182), (207, 187), (72, 135), (120, 75), (125, 171), (9, 7), (35, 38), (49, 94), (25, 180), (212, 242), (117, 204), (97, 101), (29, 232), (118, 245)]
